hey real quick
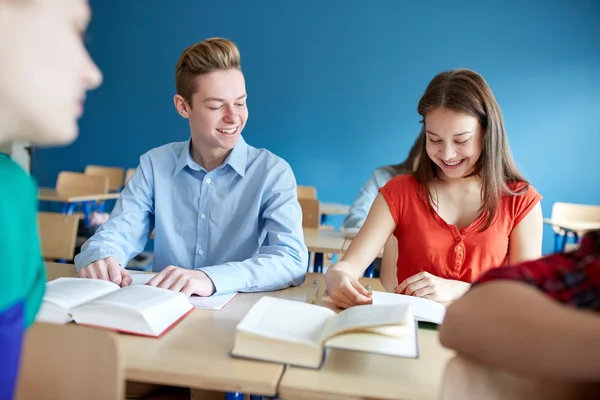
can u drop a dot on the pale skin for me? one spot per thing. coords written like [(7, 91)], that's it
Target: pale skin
[(45, 70), (217, 116), (454, 144), (514, 326)]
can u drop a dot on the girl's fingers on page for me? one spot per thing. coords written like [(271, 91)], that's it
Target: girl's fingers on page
[(360, 289), (415, 286), (352, 296), (101, 270), (426, 291)]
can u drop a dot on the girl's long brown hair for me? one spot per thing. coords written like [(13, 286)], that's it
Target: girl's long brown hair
[(466, 92)]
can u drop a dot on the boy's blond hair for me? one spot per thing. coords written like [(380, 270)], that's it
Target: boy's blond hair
[(202, 58)]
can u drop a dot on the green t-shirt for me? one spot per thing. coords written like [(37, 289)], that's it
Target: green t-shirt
[(22, 270)]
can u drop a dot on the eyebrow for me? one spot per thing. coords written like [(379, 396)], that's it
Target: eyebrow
[(223, 100), (456, 134)]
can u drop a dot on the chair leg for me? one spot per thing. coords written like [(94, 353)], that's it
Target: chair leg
[(318, 263), (370, 271)]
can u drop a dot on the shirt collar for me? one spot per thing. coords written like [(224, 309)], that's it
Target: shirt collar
[(236, 159)]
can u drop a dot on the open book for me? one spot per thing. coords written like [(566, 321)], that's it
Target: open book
[(136, 309), (215, 303), (295, 333), (423, 309)]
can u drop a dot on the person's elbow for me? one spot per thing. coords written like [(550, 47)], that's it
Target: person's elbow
[(453, 327)]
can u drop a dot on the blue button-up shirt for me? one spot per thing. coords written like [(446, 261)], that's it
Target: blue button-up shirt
[(240, 223)]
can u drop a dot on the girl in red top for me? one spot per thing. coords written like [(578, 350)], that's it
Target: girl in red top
[(465, 210)]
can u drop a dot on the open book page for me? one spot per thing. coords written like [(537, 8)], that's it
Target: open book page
[(68, 293), (212, 302), (423, 309), (286, 320), (140, 278), (405, 346), (388, 320), (137, 297)]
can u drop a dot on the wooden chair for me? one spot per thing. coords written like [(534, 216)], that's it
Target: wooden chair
[(129, 174), (70, 362), (571, 212), (115, 175), (307, 192), (465, 379), (58, 234), (78, 184), (311, 216)]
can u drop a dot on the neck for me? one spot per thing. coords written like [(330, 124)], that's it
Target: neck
[(209, 160), (10, 128)]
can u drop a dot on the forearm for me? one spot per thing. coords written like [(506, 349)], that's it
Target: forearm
[(115, 240), (515, 327), (270, 270)]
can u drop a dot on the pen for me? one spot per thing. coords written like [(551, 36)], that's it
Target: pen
[(369, 289)]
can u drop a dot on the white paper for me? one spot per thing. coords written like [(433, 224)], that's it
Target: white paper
[(140, 278), (212, 302), (423, 309)]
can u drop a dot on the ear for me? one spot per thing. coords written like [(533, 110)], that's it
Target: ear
[(182, 106)]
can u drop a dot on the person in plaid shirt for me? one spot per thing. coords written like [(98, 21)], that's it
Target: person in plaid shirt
[(540, 318)]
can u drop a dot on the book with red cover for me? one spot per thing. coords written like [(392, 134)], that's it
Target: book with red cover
[(136, 309)]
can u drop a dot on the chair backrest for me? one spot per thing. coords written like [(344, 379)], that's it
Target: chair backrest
[(307, 192), (311, 215), (70, 362), (129, 174), (58, 234), (115, 175), (78, 184)]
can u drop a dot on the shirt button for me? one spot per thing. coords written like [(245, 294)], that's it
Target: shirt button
[(203, 216), (208, 180), (459, 248), (200, 252)]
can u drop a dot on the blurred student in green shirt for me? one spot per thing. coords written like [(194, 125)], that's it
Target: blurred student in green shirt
[(45, 71)]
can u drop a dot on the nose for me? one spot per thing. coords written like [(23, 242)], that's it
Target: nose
[(93, 75), (448, 152), (229, 115)]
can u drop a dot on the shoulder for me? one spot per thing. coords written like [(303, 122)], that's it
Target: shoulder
[(169, 150), (521, 193), (14, 177), (266, 160), (404, 182)]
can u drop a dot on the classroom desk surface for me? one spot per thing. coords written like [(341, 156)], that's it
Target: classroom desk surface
[(328, 241), (195, 353), (334, 209), (50, 194), (356, 375), (580, 227)]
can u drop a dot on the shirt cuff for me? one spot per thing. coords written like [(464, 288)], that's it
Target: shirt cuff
[(224, 277), (84, 259)]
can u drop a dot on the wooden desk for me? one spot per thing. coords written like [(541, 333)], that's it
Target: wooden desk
[(195, 353), (334, 209), (355, 375), (49, 194)]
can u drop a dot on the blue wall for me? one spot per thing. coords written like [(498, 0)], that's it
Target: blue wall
[(333, 84)]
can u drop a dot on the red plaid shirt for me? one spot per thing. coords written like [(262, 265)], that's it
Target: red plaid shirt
[(572, 278)]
